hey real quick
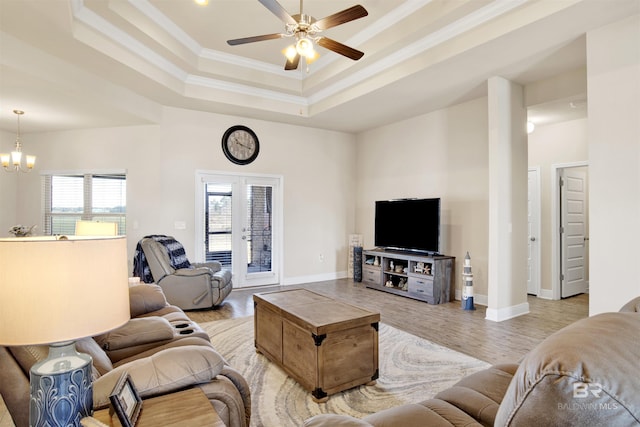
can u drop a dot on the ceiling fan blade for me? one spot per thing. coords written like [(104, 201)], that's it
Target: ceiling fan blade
[(254, 39), (293, 64), (279, 11), (354, 12), (340, 48)]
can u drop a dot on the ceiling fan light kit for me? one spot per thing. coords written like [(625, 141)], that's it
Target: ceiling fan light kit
[(305, 29)]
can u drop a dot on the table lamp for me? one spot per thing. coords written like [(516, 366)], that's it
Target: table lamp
[(96, 228), (55, 290)]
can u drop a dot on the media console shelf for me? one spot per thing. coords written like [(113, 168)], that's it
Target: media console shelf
[(421, 277)]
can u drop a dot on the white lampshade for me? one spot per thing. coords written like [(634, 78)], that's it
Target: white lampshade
[(54, 290)]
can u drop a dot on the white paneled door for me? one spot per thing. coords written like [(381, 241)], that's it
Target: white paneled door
[(573, 232), (239, 225), (533, 223)]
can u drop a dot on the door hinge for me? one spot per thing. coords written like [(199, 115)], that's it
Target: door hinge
[(562, 277), (561, 182), (561, 230)]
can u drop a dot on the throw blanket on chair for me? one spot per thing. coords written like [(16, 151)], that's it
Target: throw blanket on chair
[(177, 257)]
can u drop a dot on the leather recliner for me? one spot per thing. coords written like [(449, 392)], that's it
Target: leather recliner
[(201, 285)]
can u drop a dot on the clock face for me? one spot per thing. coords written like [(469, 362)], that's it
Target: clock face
[(240, 145)]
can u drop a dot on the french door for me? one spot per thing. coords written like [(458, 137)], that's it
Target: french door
[(239, 225)]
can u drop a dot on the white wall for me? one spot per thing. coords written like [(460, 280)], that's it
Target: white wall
[(549, 145), (161, 161), (613, 75), (441, 154), (8, 187)]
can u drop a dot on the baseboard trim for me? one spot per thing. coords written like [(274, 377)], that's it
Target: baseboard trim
[(545, 294), (506, 313), (477, 298), (299, 280)]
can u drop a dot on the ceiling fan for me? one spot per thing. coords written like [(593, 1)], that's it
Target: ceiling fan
[(306, 30)]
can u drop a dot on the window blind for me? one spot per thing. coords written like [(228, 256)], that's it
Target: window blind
[(67, 198)]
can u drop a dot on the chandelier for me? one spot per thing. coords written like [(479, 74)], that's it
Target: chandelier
[(13, 162)]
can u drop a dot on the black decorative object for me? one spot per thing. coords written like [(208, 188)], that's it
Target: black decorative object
[(357, 264)]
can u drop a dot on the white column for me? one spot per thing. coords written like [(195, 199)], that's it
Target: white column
[(613, 135), (507, 296)]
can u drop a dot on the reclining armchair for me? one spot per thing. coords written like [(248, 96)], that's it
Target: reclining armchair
[(162, 260)]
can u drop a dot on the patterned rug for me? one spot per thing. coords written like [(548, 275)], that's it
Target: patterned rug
[(411, 370)]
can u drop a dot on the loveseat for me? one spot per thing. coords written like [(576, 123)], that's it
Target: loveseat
[(160, 347), (586, 374)]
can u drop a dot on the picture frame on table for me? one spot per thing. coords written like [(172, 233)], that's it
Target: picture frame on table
[(125, 401)]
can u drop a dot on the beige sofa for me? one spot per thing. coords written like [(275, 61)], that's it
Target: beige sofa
[(158, 338), (587, 374)]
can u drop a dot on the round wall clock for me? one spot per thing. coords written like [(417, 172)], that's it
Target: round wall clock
[(240, 144)]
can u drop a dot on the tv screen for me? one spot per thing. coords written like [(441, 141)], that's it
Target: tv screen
[(408, 224)]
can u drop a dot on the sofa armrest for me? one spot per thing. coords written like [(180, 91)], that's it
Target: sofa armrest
[(213, 265), (136, 332), (632, 306), (191, 272), (165, 372), (584, 374), (222, 277)]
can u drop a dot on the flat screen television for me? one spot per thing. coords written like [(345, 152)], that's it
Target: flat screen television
[(408, 224)]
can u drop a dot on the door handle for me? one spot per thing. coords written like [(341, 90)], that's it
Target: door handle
[(533, 239)]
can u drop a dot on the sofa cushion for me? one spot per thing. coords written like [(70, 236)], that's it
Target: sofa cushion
[(479, 394), (136, 332), (29, 355), (101, 361), (587, 371), (166, 371), (146, 298)]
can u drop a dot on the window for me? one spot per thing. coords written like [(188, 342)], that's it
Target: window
[(68, 198)]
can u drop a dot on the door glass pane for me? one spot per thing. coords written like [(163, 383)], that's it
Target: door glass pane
[(258, 229), (218, 217)]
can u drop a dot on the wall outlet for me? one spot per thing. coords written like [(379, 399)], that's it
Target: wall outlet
[(180, 225), (321, 257)]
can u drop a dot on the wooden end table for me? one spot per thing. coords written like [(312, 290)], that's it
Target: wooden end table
[(327, 346), (188, 408)]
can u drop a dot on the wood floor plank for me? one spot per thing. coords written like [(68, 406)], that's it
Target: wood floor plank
[(445, 324)]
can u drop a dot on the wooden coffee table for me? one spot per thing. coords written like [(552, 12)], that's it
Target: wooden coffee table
[(327, 346)]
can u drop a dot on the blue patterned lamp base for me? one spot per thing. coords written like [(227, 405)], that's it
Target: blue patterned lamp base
[(61, 388)]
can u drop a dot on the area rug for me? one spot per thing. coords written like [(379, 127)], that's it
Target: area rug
[(411, 370)]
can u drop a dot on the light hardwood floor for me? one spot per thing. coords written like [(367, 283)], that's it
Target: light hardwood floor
[(445, 324)]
